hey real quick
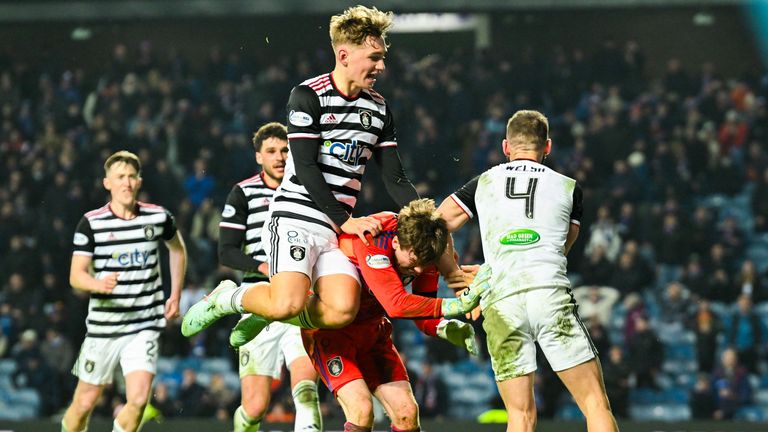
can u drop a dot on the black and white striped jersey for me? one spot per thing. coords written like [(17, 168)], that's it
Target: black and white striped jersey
[(246, 209), (347, 130), (130, 248)]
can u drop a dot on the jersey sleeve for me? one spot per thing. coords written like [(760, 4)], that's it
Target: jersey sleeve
[(303, 113), (465, 197), (83, 241), (235, 213), (169, 226), (388, 137), (426, 285), (578, 205), (384, 282)]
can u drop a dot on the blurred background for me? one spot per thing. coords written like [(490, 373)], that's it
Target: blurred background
[(657, 108)]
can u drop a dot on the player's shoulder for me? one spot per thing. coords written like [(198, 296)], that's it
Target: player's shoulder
[(255, 180), (388, 219), (375, 96), (98, 213), (315, 85), (145, 207)]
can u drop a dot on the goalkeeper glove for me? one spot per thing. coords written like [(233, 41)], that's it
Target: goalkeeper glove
[(458, 333), (470, 298)]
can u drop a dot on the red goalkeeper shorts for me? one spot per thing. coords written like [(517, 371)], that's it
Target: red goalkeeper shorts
[(359, 351)]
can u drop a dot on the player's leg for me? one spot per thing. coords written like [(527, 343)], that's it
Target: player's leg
[(138, 387), (138, 359), (400, 404), (303, 381), (356, 402), (79, 411), (94, 367), (585, 382), (517, 394), (260, 362), (512, 350), (569, 349), (254, 402)]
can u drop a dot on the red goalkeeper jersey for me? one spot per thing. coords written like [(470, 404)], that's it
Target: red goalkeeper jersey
[(383, 291)]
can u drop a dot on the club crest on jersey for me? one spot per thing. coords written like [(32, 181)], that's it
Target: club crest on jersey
[(335, 366), (149, 232), (89, 365), (366, 118), (298, 253)]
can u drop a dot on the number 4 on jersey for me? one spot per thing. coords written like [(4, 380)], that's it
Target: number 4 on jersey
[(528, 195)]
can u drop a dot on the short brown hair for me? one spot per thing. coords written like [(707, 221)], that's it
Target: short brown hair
[(421, 228), (357, 23), (528, 128), (123, 156), (269, 130)]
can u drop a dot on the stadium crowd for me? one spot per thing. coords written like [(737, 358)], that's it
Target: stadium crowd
[(674, 169)]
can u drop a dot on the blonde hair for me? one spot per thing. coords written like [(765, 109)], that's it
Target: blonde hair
[(528, 128), (123, 156), (420, 227), (356, 23)]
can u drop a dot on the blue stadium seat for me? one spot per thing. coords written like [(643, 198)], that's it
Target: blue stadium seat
[(569, 411), (761, 397), (662, 412), (214, 365), (7, 366), (752, 413)]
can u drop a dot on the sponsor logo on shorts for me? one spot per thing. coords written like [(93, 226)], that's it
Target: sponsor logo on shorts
[(228, 212), (149, 232), (89, 365), (335, 366), (298, 253), (299, 118), (294, 237), (365, 118), (80, 239), (520, 237), (378, 261)]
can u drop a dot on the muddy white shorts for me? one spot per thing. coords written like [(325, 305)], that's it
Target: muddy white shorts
[(99, 357)]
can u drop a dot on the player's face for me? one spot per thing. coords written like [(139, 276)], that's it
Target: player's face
[(123, 183), (366, 62), (272, 156), (407, 264)]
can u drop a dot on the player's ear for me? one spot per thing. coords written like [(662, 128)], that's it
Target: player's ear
[(105, 182), (259, 158), (342, 55), (395, 243), (548, 147), (505, 147)]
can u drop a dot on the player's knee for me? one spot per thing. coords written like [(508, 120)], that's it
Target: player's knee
[(407, 416), (339, 318), (83, 406), (362, 412), (255, 408), (526, 416), (286, 307)]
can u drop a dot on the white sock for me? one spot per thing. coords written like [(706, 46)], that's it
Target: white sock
[(116, 427), (232, 302), (305, 400), (244, 423)]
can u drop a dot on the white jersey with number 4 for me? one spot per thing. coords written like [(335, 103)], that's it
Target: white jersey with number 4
[(525, 210)]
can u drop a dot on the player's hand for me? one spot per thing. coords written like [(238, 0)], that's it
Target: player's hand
[(171, 308), (456, 281), (458, 333), (362, 225), (107, 283), (469, 272)]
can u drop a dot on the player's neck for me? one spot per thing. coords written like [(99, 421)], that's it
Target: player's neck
[(343, 84), (270, 181), (527, 155), (122, 211)]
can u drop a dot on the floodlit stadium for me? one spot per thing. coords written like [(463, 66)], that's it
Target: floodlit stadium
[(657, 110)]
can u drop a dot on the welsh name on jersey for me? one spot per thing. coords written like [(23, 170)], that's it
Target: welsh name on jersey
[(130, 248), (348, 130), (246, 209), (524, 210)]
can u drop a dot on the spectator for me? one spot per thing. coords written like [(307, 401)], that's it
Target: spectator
[(431, 393), (646, 352), (675, 304), (616, 373), (747, 282), (199, 185), (707, 327), (596, 303), (163, 402), (702, 402), (597, 270), (745, 334), (193, 400), (731, 384), (604, 233)]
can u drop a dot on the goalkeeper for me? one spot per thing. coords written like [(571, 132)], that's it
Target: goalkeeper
[(360, 360)]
